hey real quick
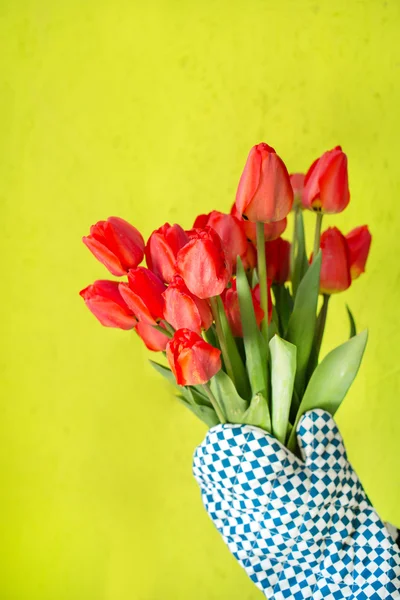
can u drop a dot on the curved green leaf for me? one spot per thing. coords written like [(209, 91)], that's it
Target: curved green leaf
[(256, 360), (331, 380), (301, 328), (258, 413), (229, 401), (300, 266), (205, 413), (353, 327), (283, 371), (240, 373)]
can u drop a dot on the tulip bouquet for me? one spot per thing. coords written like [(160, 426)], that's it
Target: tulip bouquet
[(238, 311)]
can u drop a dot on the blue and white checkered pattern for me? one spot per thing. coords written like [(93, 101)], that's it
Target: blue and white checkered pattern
[(301, 530)]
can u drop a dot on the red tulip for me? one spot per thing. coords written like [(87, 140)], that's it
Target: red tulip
[(278, 260), (232, 309), (201, 221), (326, 185), (256, 296), (202, 263), (271, 230), (184, 310), (144, 295), (116, 244), (153, 339), (249, 260), (104, 300), (359, 243), (297, 181), (231, 232), (265, 193), (335, 267), (191, 359), (162, 248)]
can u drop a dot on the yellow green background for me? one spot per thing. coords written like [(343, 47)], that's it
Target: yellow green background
[(147, 110)]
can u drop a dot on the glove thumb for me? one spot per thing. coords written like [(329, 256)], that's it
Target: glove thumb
[(320, 442)]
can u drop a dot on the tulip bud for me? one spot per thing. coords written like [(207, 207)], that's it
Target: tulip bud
[(278, 260), (162, 248), (359, 243), (230, 300), (116, 244), (202, 263), (265, 193), (192, 360), (326, 185), (271, 230), (184, 310), (230, 230), (297, 181), (144, 295), (335, 266), (104, 300)]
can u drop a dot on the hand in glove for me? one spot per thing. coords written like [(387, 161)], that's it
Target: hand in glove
[(301, 530)]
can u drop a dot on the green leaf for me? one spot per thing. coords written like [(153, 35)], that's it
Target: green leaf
[(353, 327), (256, 362), (283, 371), (331, 380), (284, 306), (190, 397), (205, 413), (211, 337), (240, 373), (300, 267), (229, 401), (254, 278), (165, 372), (193, 394), (301, 326), (273, 328), (258, 413)]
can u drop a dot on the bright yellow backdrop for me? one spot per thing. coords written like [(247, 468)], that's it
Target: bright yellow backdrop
[(147, 110)]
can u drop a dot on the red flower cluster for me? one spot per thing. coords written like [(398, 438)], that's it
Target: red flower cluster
[(169, 302)]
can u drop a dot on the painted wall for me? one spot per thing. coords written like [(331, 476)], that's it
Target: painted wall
[(147, 110)]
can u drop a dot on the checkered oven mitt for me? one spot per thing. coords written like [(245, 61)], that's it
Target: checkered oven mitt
[(300, 530)]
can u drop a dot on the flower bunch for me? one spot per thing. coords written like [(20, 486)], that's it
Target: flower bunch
[(232, 305)]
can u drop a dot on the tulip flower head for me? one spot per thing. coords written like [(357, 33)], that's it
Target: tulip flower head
[(184, 310), (271, 230), (162, 248), (192, 360), (297, 181), (231, 231), (144, 295), (326, 185), (359, 243), (117, 244), (230, 300), (278, 257), (265, 193), (104, 300), (203, 264), (335, 266)]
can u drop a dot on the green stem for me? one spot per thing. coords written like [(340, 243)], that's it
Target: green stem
[(317, 236), (293, 247), (262, 277), (221, 338), (319, 334), (214, 402)]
